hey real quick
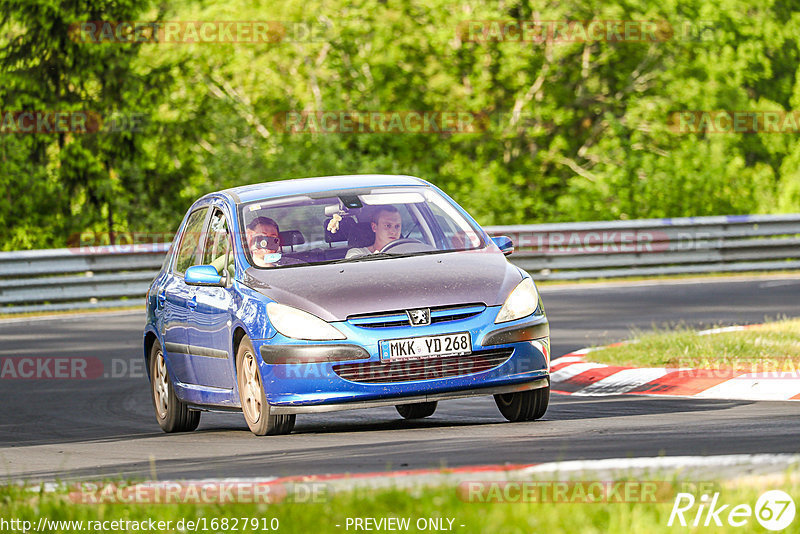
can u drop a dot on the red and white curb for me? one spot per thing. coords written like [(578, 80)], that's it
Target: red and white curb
[(573, 374)]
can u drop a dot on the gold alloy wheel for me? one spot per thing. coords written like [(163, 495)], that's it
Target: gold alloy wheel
[(252, 388), (160, 386), (172, 414)]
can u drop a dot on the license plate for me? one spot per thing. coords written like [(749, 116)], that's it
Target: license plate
[(426, 346)]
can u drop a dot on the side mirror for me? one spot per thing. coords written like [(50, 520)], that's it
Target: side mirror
[(204, 275), (504, 243)]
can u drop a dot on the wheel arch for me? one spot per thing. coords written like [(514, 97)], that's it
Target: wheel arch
[(150, 338), (239, 334)]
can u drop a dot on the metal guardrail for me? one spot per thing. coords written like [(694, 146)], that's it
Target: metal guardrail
[(652, 247), (113, 276), (78, 278)]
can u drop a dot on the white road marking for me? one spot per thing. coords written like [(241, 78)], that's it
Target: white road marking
[(779, 461), (572, 286), (721, 330), (622, 382), (572, 370), (77, 316), (567, 359), (760, 386)]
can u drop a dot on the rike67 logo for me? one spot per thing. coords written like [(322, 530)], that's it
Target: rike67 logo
[(774, 510)]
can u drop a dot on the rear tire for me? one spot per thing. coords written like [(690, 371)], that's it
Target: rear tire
[(172, 414), (253, 398), (417, 410), (524, 405)]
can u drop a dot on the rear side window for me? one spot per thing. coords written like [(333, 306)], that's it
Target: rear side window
[(190, 241)]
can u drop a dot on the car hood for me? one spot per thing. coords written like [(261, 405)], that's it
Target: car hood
[(335, 291)]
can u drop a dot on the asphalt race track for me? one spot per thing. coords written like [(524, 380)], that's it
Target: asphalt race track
[(91, 428)]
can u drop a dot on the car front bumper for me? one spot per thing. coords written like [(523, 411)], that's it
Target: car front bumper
[(432, 397), (303, 377)]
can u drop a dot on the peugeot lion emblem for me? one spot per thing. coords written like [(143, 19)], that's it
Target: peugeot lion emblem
[(420, 317)]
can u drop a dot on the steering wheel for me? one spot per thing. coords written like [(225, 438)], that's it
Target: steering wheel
[(402, 241)]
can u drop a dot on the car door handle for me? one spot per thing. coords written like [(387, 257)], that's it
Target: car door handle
[(192, 302), (161, 297)]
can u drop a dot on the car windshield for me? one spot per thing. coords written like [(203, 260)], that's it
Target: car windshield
[(353, 225)]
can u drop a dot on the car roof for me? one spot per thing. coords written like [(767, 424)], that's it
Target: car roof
[(280, 188)]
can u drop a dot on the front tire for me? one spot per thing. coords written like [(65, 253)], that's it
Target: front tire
[(524, 405), (171, 413), (253, 398), (417, 410)]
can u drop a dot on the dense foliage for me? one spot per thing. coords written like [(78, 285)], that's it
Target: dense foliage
[(574, 130)]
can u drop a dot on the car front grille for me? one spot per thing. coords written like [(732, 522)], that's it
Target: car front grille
[(423, 369), (397, 318)]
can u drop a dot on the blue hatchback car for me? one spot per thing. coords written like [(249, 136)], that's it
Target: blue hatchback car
[(335, 293)]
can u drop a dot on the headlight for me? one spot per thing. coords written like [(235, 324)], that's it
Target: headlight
[(298, 324), (522, 302)]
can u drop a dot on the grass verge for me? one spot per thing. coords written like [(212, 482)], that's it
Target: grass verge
[(425, 510), (774, 346)]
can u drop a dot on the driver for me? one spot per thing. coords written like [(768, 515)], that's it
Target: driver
[(387, 225)]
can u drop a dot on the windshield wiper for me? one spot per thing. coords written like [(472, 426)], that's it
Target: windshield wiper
[(370, 257)]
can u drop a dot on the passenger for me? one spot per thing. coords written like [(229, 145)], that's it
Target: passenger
[(263, 238), (387, 225)]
